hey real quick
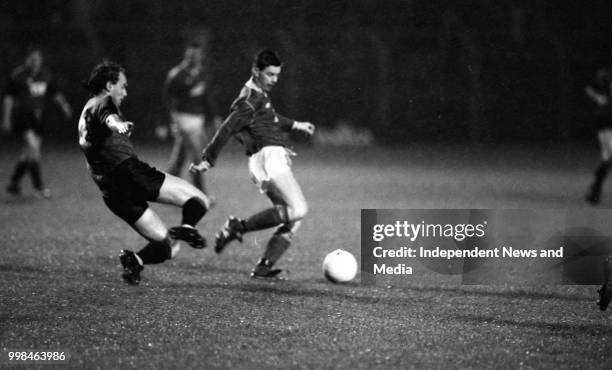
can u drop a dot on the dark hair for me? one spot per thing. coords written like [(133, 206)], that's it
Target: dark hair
[(101, 74), (265, 58)]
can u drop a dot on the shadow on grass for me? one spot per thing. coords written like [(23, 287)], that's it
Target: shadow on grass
[(378, 295), (553, 328), (16, 200)]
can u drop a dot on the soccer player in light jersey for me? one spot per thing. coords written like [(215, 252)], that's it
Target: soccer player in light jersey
[(260, 129), (127, 183)]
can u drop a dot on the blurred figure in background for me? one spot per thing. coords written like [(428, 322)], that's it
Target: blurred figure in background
[(30, 88), (600, 92), (188, 98)]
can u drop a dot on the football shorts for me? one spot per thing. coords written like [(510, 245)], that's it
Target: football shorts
[(129, 186), (189, 124), (268, 163)]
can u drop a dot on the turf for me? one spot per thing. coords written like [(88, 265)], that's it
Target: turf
[(61, 288)]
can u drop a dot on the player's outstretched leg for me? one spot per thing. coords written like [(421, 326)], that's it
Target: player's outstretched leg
[(234, 228), (160, 247), (605, 293), (194, 204)]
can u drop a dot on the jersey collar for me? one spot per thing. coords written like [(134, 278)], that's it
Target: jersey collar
[(251, 85)]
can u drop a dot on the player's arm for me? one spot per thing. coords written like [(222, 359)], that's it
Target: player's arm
[(236, 121), (116, 124), (60, 99), (8, 104), (7, 112), (288, 124), (594, 95)]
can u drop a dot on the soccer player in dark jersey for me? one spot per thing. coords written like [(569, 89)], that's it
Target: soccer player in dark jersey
[(255, 123), (188, 97), (30, 88), (127, 183), (600, 92)]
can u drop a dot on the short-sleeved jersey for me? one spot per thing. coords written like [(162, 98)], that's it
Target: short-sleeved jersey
[(253, 121), (30, 91), (103, 148), (187, 90)]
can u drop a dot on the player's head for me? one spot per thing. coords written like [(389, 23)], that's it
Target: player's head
[(194, 53), (34, 58), (266, 69), (108, 78)]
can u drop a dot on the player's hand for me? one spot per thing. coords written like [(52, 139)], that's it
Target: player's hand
[(125, 128), (305, 127), (200, 167)]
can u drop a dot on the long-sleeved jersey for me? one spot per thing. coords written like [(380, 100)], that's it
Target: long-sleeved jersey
[(253, 121)]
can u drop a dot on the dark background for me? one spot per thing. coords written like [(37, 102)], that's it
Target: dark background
[(411, 70)]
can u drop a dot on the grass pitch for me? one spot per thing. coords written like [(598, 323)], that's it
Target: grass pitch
[(61, 288)]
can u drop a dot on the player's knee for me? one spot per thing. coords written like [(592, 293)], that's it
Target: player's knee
[(285, 231), (298, 210), (194, 192)]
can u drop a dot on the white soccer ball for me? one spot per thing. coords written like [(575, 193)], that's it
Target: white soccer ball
[(340, 266)]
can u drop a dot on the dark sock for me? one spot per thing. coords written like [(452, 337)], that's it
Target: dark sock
[(35, 173), (277, 245), (267, 218), (600, 174), (193, 211), (19, 171), (156, 252)]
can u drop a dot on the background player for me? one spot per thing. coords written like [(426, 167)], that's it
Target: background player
[(31, 86), (600, 91), (188, 97), (128, 184), (255, 123)]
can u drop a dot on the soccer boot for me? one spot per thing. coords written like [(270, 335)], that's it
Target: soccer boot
[(131, 267), (264, 271), (605, 292), (13, 189), (593, 196), (232, 230), (189, 235)]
